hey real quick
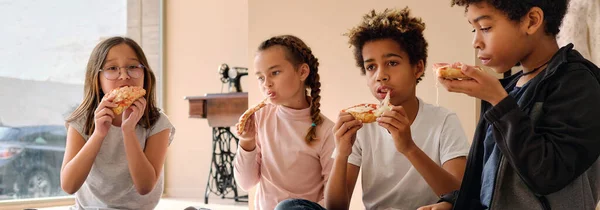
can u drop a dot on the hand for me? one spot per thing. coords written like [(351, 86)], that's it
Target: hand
[(103, 115), (397, 123), (249, 131), (483, 86), (345, 133), (248, 135), (133, 114), (437, 206)]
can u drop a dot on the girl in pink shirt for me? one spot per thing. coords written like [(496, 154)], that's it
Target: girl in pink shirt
[(287, 145)]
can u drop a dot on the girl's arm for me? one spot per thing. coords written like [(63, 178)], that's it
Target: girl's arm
[(326, 159), (247, 166), (248, 158), (79, 154), (146, 166), (78, 159)]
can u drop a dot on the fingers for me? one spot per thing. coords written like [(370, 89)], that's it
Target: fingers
[(249, 124), (248, 127), (459, 86), (105, 111), (342, 118), (109, 97), (140, 105), (396, 117), (104, 119), (105, 103), (351, 132), (346, 126), (391, 128), (472, 72)]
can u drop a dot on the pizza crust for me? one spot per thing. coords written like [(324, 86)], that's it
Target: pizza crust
[(241, 126), (363, 112), (125, 96), (368, 113), (448, 71)]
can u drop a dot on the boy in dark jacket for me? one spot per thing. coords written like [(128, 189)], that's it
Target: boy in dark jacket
[(538, 140)]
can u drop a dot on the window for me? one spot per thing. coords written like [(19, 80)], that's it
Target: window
[(44, 50)]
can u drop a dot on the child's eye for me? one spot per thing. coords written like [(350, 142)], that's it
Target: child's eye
[(482, 29), (261, 79), (393, 63), (370, 67), (275, 73), (111, 68)]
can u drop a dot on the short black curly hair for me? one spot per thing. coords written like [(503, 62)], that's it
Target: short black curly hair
[(554, 10), (397, 25)]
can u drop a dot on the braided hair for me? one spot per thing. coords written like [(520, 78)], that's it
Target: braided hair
[(299, 53)]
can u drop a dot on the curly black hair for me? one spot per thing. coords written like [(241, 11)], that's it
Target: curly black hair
[(397, 25), (554, 10)]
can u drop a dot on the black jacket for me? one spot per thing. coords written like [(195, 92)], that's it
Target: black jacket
[(550, 142)]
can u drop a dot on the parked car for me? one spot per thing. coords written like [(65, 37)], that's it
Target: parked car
[(30, 161)]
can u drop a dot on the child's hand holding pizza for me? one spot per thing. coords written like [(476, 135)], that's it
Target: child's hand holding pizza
[(249, 130), (133, 114), (475, 82), (345, 133), (104, 115), (397, 123)]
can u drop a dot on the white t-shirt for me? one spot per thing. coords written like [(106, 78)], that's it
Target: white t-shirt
[(389, 181)]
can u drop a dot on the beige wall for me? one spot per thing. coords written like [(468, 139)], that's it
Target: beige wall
[(199, 35)]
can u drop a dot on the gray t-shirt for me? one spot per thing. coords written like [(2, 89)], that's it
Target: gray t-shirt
[(109, 184)]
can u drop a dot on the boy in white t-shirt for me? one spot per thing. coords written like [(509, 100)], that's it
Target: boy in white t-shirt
[(412, 154)]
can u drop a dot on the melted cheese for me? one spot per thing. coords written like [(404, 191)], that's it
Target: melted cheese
[(362, 108)]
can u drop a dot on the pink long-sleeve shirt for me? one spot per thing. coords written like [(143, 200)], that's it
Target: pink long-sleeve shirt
[(283, 163)]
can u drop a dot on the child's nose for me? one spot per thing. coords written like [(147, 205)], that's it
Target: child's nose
[(123, 74)]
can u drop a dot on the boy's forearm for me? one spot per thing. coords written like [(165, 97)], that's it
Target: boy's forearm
[(336, 193), (440, 180)]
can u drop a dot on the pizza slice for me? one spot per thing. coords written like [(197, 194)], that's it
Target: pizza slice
[(125, 96), (451, 71), (241, 126), (368, 113)]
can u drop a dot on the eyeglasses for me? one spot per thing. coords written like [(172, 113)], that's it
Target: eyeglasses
[(113, 72)]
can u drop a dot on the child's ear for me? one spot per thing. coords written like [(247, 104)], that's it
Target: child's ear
[(304, 71), (419, 69), (533, 20)]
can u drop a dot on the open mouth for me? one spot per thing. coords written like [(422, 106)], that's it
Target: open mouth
[(383, 89)]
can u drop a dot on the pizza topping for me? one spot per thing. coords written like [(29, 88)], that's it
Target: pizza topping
[(125, 96), (370, 108)]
